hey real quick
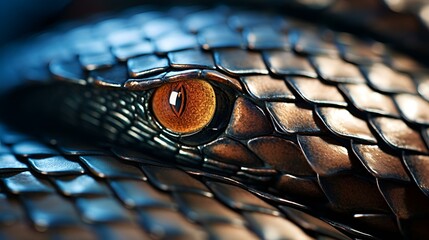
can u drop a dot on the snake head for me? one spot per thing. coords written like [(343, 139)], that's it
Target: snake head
[(199, 115)]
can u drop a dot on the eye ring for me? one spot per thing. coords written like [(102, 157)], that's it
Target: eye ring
[(193, 111)]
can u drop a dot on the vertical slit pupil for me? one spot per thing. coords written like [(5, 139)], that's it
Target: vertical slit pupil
[(177, 99)]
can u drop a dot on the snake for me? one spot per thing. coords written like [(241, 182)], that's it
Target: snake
[(326, 120)]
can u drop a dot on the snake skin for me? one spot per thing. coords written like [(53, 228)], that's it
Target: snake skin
[(326, 137)]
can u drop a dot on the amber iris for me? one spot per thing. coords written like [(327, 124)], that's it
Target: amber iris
[(184, 107)]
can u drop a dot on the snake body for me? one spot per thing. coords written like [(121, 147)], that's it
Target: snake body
[(295, 123)]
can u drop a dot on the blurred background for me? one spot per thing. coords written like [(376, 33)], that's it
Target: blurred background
[(397, 19), (19, 18)]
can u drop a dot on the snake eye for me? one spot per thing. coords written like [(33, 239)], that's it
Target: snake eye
[(184, 107)]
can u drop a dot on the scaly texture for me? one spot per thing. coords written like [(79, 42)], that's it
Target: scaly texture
[(319, 121)]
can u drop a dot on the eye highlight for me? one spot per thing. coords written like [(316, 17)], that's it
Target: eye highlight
[(177, 99), (184, 107)]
